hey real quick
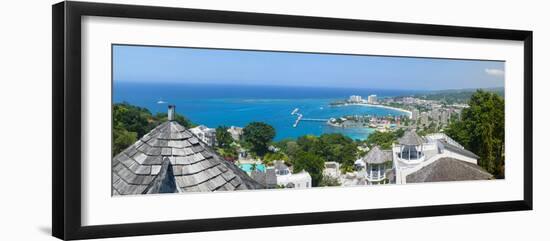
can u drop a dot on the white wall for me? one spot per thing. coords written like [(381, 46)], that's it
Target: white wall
[(25, 55)]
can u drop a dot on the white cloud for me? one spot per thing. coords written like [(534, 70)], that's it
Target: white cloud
[(494, 72)]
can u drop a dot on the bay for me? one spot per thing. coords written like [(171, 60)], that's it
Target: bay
[(237, 105)]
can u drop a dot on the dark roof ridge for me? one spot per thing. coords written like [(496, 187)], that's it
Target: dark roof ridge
[(164, 182)]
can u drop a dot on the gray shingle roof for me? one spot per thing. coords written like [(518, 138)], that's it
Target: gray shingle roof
[(280, 166), (449, 169), (410, 138), (377, 156), (458, 150), (171, 159), (267, 178)]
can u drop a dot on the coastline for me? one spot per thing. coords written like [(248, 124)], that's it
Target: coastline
[(409, 113)]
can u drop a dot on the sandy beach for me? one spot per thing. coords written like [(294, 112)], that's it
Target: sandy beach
[(409, 113)]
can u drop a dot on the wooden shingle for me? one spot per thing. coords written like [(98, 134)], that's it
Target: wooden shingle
[(187, 162)]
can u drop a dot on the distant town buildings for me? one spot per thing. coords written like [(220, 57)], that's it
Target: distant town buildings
[(205, 134), (424, 118), (414, 114), (445, 116), (372, 99), (441, 117), (434, 116), (409, 100), (355, 99)]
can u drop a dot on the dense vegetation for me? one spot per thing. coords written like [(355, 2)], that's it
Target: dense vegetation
[(481, 130), (311, 163), (456, 96), (310, 153), (223, 137), (258, 136), (132, 122), (384, 139)]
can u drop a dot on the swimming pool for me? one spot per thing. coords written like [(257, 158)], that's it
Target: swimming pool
[(248, 167)]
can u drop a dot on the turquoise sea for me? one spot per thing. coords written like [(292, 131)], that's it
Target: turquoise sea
[(234, 105)]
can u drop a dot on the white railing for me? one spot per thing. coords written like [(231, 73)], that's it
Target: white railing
[(375, 176)]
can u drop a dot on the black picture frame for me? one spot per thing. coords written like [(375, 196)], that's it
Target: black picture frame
[(66, 157)]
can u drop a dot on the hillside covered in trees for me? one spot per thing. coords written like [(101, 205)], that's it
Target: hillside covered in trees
[(457, 96), (132, 122)]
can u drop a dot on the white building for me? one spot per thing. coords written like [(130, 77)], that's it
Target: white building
[(291, 180), (408, 100), (414, 114), (355, 99), (434, 114), (205, 134), (445, 116), (436, 157), (236, 132), (372, 99), (332, 169)]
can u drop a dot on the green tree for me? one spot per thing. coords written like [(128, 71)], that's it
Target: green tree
[(331, 147), (337, 147), (382, 139), (399, 133), (328, 181), (309, 143), (311, 163), (132, 118), (122, 139), (289, 147), (223, 137), (275, 156), (258, 135), (481, 130), (229, 153), (132, 122)]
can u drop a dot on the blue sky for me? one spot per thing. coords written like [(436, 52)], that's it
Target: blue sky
[(212, 66)]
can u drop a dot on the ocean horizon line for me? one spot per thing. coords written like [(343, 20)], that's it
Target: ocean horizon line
[(300, 86), (268, 85)]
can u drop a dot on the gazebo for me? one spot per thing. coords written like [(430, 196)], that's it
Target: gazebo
[(410, 147), (171, 159), (375, 162)]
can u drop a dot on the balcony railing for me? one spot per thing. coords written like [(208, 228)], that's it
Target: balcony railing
[(376, 176)]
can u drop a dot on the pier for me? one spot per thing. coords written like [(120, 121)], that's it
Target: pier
[(300, 118), (313, 119)]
